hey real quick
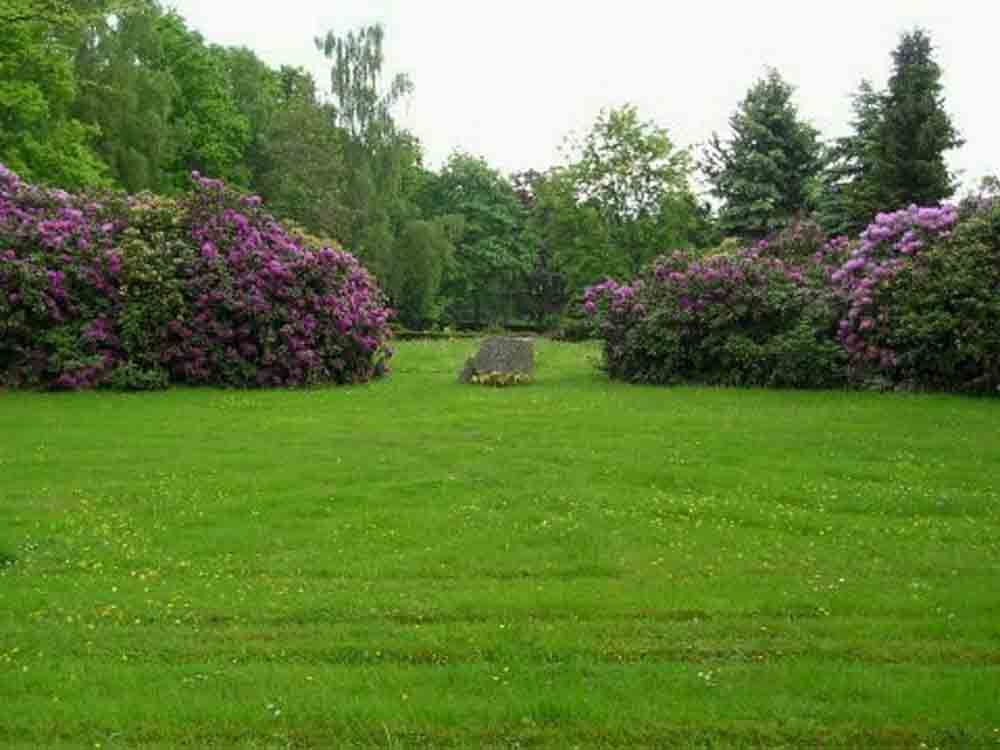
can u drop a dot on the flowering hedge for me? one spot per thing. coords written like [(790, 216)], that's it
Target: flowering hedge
[(914, 302), (922, 292), (138, 292), (745, 319)]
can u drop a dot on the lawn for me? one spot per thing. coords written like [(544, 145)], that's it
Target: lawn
[(574, 563)]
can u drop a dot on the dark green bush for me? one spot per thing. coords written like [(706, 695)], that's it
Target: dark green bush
[(743, 320)]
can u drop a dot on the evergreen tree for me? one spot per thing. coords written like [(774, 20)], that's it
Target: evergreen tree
[(916, 130), (847, 201), (895, 156), (763, 174)]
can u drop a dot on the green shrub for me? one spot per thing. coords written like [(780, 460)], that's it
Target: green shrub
[(133, 377), (943, 310), (743, 320)]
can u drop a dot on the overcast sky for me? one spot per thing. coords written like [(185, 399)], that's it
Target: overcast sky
[(510, 80)]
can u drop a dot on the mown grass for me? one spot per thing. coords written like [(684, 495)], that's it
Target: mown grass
[(575, 563)]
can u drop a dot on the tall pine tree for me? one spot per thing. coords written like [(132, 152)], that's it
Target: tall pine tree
[(895, 156), (916, 130), (850, 194), (763, 174)]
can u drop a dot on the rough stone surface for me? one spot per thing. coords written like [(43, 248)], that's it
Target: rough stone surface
[(501, 354)]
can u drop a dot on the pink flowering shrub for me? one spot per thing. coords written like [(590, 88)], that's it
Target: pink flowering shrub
[(886, 247), (922, 299), (143, 291), (915, 302), (744, 319)]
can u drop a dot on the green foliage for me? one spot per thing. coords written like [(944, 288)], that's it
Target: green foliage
[(255, 90), (129, 93), (629, 171), (491, 255), (623, 198), (364, 106), (916, 130), (763, 173), (165, 103), (379, 157), (577, 235), (133, 377), (303, 171), (214, 133), (413, 281), (848, 193), (575, 326), (39, 136)]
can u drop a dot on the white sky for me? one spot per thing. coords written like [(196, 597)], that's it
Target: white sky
[(510, 80)]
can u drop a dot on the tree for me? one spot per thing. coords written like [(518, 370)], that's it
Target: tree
[(845, 201), (413, 283), (376, 152), (302, 171), (165, 103), (632, 174), (895, 155), (492, 255), (299, 166), (213, 135), (622, 198), (255, 90), (364, 106), (916, 131), (129, 94), (39, 136), (983, 197), (762, 174), (989, 187), (577, 237)]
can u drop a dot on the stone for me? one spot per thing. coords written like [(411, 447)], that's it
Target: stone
[(501, 354)]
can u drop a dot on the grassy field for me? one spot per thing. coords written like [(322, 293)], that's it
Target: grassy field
[(575, 563)]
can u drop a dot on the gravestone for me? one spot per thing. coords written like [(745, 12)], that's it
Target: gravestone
[(501, 354)]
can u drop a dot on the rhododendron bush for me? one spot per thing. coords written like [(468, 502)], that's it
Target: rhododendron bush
[(745, 319), (138, 292), (922, 293), (914, 302)]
